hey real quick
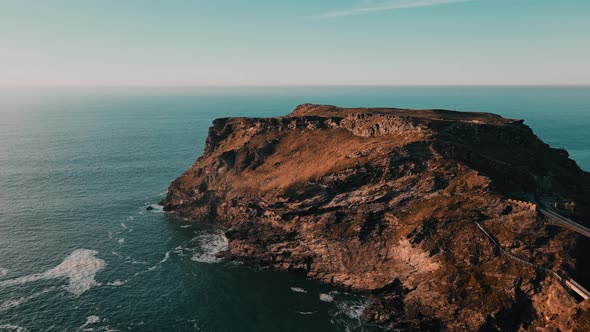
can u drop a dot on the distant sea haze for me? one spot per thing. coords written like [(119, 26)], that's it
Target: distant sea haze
[(79, 167)]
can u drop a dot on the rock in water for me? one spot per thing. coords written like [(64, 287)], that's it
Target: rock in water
[(425, 210)]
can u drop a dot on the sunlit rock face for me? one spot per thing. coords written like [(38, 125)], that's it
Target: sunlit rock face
[(425, 211)]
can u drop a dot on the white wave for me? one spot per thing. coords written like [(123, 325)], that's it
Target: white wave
[(352, 309), (166, 257), (298, 290), (179, 250), (110, 235), (16, 302), (90, 320), (185, 226), (3, 272), (80, 267), (210, 245), (121, 240), (326, 297), (156, 208), (10, 327), (306, 312), (117, 283), (124, 226)]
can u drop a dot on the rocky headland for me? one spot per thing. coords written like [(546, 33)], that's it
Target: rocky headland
[(433, 214)]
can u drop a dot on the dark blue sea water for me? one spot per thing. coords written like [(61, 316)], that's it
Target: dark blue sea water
[(78, 167)]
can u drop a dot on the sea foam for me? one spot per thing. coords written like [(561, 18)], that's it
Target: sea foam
[(298, 290), (156, 208), (80, 267), (90, 320), (210, 246), (16, 302), (326, 298), (9, 327), (306, 312), (352, 309)]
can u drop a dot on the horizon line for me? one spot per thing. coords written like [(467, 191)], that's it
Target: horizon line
[(288, 85)]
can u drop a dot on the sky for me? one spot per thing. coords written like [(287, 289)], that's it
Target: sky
[(287, 42)]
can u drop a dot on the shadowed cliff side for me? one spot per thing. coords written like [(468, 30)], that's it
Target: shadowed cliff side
[(420, 209)]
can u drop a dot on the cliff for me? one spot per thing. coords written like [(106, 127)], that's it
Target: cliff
[(425, 211)]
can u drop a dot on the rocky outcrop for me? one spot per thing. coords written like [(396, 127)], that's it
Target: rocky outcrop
[(425, 211)]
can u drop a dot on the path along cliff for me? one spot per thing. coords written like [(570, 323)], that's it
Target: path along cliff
[(391, 203)]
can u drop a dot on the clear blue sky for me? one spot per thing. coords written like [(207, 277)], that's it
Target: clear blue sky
[(303, 42)]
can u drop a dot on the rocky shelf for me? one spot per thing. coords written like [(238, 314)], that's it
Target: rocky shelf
[(425, 211)]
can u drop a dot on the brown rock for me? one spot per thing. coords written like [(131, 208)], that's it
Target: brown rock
[(390, 202)]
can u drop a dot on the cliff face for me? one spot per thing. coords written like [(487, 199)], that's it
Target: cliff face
[(423, 210)]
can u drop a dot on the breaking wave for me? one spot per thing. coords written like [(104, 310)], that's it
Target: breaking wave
[(348, 312), (352, 310), (155, 208), (209, 247)]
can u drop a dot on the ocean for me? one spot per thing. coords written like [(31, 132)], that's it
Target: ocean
[(79, 166)]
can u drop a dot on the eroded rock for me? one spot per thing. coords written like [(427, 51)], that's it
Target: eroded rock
[(386, 201)]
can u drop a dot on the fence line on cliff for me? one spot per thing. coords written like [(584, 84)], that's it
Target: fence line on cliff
[(568, 283), (509, 255)]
